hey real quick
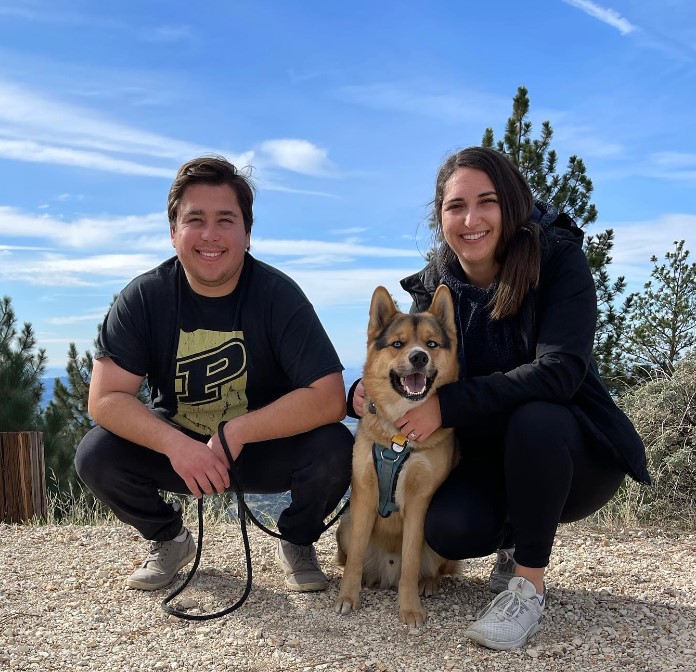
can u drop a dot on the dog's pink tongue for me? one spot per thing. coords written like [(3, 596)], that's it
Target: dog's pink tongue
[(414, 383)]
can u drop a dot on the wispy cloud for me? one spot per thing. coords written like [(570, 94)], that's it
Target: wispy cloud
[(604, 14), (38, 128), (319, 252), (76, 319), (350, 231), (33, 152), (674, 165), (49, 12), (84, 232), (637, 242), (423, 99), (167, 34), (57, 270), (138, 243), (350, 286)]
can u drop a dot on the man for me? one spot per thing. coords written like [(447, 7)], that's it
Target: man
[(220, 336)]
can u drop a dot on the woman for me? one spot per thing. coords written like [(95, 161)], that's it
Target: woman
[(541, 440)]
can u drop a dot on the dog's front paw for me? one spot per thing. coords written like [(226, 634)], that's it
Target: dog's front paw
[(413, 617), (429, 586), (345, 604)]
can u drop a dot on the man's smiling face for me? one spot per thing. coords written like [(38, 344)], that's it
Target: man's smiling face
[(210, 239)]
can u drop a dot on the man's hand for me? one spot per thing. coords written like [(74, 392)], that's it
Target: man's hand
[(201, 468), (420, 422)]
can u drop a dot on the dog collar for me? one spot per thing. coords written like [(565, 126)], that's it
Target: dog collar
[(388, 464)]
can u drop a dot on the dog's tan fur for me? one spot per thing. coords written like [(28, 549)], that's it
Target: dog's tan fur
[(389, 551)]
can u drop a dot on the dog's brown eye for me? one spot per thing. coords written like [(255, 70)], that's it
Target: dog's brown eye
[(396, 344), (431, 344)]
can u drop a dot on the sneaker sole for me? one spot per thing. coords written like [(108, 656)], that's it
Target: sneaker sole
[(143, 585), (306, 587), (502, 646)]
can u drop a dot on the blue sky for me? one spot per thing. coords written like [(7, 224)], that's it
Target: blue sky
[(344, 110)]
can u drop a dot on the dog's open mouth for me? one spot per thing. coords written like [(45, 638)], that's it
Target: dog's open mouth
[(411, 386)]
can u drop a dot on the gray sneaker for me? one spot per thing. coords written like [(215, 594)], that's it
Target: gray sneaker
[(510, 619), (301, 567), (503, 570), (165, 559)]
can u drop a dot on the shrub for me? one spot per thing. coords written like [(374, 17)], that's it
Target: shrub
[(663, 411)]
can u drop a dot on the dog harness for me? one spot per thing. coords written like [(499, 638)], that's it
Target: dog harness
[(388, 463)]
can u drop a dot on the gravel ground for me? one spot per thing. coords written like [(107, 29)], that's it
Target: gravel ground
[(617, 601)]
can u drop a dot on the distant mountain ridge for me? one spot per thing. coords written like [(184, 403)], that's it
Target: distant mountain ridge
[(350, 375)]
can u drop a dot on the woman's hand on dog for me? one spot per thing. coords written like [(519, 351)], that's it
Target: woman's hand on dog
[(359, 399), (420, 422)]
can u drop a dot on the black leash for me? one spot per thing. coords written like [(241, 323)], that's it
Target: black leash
[(243, 512)]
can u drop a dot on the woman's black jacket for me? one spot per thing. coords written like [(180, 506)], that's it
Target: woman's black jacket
[(557, 327)]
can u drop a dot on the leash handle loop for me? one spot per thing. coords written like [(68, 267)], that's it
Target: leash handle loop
[(243, 512)]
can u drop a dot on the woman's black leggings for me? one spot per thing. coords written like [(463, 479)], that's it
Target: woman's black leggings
[(516, 482), (315, 467)]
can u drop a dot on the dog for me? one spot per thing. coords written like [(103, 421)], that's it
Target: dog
[(408, 357)]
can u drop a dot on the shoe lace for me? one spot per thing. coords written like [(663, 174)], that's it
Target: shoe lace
[(154, 552), (507, 606), (306, 554)]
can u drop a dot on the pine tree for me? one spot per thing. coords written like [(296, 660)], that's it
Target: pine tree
[(70, 404), (662, 318), (73, 398), (21, 369), (570, 192), (611, 323)]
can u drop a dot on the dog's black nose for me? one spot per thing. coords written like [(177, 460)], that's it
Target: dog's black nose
[(418, 358)]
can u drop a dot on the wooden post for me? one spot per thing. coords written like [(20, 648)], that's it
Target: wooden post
[(22, 477)]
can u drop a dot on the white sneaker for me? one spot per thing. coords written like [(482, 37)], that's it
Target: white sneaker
[(510, 619)]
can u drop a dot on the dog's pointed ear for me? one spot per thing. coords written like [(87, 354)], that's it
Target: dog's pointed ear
[(443, 309), (382, 310)]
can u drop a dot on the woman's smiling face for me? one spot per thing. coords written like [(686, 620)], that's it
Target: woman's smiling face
[(472, 223)]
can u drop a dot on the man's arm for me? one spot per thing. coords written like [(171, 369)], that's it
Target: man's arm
[(113, 405), (321, 403)]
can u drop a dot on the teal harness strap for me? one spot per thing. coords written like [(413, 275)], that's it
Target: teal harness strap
[(388, 463)]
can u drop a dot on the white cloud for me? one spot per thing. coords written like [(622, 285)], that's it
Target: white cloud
[(673, 166), (86, 232), (352, 286), (167, 34), (38, 128), (299, 156), (420, 98), (53, 270), (26, 150), (332, 251), (74, 319), (350, 230), (636, 242), (27, 115), (604, 14), (675, 160)]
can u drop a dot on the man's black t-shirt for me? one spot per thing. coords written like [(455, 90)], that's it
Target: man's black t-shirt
[(213, 359)]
